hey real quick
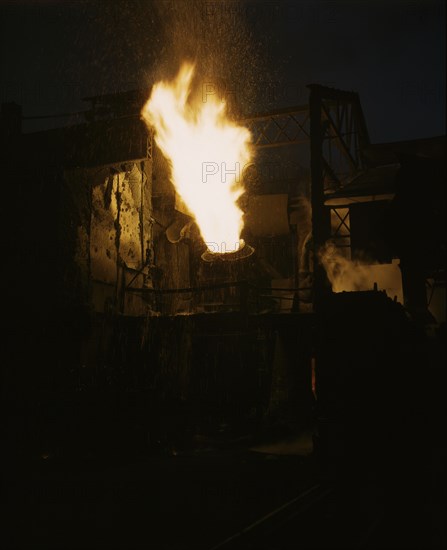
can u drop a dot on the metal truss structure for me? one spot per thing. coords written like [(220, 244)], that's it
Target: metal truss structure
[(334, 125), (278, 128), (338, 137)]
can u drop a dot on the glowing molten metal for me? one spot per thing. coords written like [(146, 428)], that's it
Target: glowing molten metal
[(207, 154)]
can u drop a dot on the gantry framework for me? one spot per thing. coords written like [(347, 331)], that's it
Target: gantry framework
[(334, 126)]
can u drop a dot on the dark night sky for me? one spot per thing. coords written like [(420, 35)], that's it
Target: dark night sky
[(392, 53)]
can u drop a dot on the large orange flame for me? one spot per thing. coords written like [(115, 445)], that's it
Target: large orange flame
[(207, 154)]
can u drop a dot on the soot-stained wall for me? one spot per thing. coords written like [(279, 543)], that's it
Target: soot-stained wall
[(110, 210)]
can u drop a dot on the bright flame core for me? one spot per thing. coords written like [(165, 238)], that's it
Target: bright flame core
[(207, 155)]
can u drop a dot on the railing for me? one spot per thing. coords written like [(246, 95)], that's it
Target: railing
[(242, 296)]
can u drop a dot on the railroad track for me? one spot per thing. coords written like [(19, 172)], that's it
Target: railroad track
[(261, 534)]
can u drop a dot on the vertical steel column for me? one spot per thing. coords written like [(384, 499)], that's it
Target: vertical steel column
[(320, 223)]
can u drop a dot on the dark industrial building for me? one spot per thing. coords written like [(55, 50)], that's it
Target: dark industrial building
[(128, 341)]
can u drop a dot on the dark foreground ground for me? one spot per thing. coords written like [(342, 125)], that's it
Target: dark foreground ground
[(271, 495), (177, 500), (368, 472)]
